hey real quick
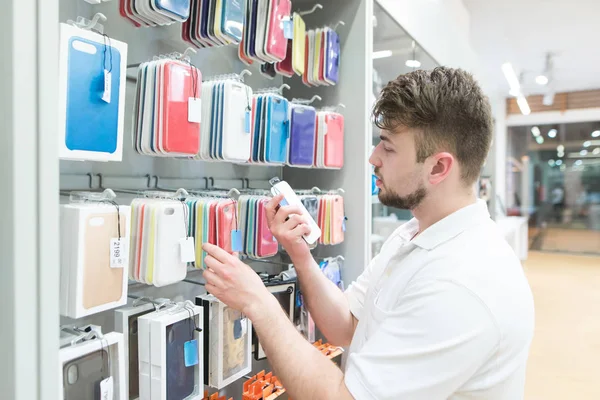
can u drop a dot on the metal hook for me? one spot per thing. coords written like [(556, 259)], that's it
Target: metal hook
[(94, 22), (338, 24), (187, 51), (305, 101), (149, 180), (284, 86), (312, 10), (89, 174), (244, 73)]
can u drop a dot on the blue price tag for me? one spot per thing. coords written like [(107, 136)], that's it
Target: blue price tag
[(236, 240), (247, 122), (190, 352), (288, 29), (344, 224)]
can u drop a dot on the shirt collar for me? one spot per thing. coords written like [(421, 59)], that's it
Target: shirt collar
[(447, 228)]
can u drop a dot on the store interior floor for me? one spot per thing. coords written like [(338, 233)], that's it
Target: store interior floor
[(563, 361), (565, 240)]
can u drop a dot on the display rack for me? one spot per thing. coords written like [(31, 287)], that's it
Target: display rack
[(34, 176)]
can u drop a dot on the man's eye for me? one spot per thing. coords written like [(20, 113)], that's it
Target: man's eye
[(387, 150)]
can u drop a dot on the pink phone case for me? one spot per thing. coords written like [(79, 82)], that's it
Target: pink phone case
[(276, 41), (267, 244), (334, 141), (226, 216), (338, 217)]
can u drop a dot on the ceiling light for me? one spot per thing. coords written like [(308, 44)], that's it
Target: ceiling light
[(587, 143), (583, 152), (511, 77), (560, 148), (551, 163), (382, 54), (596, 134), (539, 139), (523, 105), (563, 167), (552, 133), (596, 151), (560, 155), (536, 131), (578, 162), (413, 63), (559, 162), (541, 80)]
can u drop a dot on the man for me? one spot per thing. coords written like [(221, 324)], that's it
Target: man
[(444, 311)]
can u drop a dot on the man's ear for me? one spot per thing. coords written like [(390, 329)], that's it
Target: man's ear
[(441, 165)]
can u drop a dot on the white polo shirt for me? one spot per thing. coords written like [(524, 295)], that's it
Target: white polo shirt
[(448, 315)]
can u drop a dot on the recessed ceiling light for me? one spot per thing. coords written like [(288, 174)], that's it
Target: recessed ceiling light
[(578, 162), (536, 131), (541, 80), (583, 152), (596, 134), (587, 143), (539, 139), (413, 63), (551, 163), (563, 167), (382, 54), (560, 148), (596, 151), (559, 162), (552, 133)]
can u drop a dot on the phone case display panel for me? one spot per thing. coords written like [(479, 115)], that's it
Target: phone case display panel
[(93, 369), (228, 343), (285, 293), (171, 353), (167, 109), (94, 244), (159, 241), (258, 241), (212, 220), (270, 131), (91, 95), (147, 13), (126, 322), (226, 112), (214, 23)]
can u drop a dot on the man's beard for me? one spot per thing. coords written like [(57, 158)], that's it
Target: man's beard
[(409, 202)]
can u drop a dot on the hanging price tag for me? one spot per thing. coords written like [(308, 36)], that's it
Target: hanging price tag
[(188, 250), (247, 121), (190, 350), (236, 240), (106, 389), (119, 255), (240, 328), (288, 28), (194, 110), (107, 86)]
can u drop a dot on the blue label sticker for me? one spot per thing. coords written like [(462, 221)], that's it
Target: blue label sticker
[(190, 353), (236, 240), (288, 29), (247, 122), (344, 224), (283, 203)]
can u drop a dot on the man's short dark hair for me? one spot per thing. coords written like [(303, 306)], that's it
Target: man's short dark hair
[(449, 110)]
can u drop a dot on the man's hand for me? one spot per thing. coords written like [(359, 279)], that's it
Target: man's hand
[(288, 225), (234, 283)]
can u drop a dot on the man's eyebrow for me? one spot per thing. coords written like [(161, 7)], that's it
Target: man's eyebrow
[(385, 139)]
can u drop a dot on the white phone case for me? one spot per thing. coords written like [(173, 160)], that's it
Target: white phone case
[(292, 199), (236, 141), (168, 267)]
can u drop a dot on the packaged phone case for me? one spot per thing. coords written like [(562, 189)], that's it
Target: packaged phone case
[(91, 95)]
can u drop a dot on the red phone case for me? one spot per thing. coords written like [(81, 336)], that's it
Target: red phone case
[(285, 67), (322, 58), (179, 135), (212, 223), (123, 12), (276, 41)]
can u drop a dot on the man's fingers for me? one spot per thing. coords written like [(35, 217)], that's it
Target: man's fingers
[(214, 264), (271, 207), (293, 222), (300, 230), (285, 212), (213, 279), (217, 253)]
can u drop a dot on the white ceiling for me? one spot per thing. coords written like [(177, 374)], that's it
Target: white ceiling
[(522, 31)]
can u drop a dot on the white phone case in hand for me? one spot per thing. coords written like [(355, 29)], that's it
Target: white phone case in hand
[(292, 199)]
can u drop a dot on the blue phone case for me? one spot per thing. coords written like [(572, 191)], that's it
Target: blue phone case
[(155, 99), (181, 8), (302, 136), (252, 33), (333, 56), (263, 128), (213, 127), (205, 19), (91, 123), (277, 133), (232, 20), (180, 379), (221, 116), (256, 145)]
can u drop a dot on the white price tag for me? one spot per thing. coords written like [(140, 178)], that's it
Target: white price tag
[(194, 110), (107, 86), (119, 254), (106, 389), (188, 249)]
